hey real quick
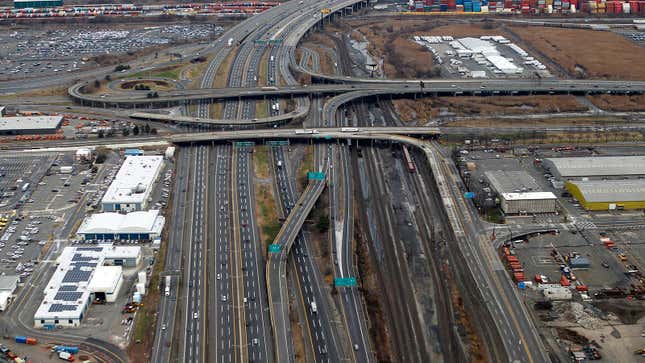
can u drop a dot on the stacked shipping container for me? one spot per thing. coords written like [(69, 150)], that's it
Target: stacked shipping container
[(531, 6)]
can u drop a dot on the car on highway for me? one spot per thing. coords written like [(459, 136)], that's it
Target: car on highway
[(224, 298), (163, 326), (195, 315), (219, 276)]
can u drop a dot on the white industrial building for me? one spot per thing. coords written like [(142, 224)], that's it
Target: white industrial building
[(519, 193), (82, 276), (8, 286), (528, 203), (133, 184), (16, 125), (142, 226), (598, 166)]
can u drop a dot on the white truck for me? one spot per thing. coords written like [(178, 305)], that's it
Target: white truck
[(314, 307), (279, 163), (230, 42), (167, 291)]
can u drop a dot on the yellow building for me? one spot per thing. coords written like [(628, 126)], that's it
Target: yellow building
[(608, 194)]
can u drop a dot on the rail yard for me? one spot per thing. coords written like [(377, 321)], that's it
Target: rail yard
[(302, 181)]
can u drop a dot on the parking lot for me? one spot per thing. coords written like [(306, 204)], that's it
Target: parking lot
[(18, 171), (52, 50), (461, 62)]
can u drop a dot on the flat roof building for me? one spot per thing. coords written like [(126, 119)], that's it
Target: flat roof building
[(8, 286), (81, 277), (519, 193), (608, 194), (599, 166), (133, 184), (142, 225), (20, 125), (21, 4)]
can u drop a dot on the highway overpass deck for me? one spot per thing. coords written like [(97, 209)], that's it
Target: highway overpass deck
[(319, 133), (496, 87), (277, 265)]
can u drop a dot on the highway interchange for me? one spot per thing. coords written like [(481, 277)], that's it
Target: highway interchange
[(227, 302)]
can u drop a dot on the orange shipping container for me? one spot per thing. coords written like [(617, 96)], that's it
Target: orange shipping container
[(564, 281)]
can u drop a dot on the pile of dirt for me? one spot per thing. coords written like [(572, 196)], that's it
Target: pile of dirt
[(577, 313)]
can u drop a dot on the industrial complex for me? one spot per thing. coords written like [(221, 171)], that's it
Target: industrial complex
[(608, 194), (322, 181), (139, 226), (133, 184), (83, 275), (596, 166)]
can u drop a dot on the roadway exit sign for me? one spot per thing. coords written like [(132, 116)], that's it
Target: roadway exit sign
[(278, 143), (316, 175), (244, 143), (273, 248), (345, 281)]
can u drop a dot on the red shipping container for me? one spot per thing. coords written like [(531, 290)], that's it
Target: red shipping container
[(564, 281), (511, 258), (582, 288), (32, 341), (633, 5)]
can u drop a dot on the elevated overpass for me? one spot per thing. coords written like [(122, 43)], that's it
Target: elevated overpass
[(276, 273), (399, 88), (319, 133)]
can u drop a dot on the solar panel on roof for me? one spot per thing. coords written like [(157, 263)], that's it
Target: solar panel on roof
[(67, 288), (79, 257), (76, 276), (68, 295), (56, 308), (78, 265)]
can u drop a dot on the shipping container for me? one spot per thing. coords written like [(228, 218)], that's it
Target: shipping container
[(21, 339)]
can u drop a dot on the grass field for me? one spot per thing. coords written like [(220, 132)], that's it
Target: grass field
[(619, 103), (598, 54), (426, 108)]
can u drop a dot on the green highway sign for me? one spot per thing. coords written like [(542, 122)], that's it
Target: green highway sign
[(278, 142), (327, 137), (316, 175), (244, 143), (345, 281), (273, 248)]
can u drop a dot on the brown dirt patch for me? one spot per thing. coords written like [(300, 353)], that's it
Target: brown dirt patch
[(588, 53), (391, 41), (619, 103), (426, 108)]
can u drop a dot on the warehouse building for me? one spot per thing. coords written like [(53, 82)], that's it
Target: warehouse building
[(601, 166), (528, 203), (83, 274), (23, 4), (23, 125), (141, 226), (8, 286), (519, 193), (608, 194), (133, 184)]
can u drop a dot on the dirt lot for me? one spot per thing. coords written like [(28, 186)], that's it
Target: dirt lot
[(594, 54), (619, 103), (390, 40), (426, 108)]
